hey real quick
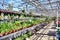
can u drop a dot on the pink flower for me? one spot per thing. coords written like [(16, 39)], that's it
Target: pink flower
[(58, 22)]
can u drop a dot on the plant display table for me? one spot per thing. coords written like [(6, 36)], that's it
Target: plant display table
[(18, 33)]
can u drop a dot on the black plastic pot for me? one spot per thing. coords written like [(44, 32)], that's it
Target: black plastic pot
[(37, 28)]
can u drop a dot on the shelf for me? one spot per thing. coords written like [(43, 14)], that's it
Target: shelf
[(18, 33)]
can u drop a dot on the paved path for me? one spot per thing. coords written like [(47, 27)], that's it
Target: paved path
[(46, 33)]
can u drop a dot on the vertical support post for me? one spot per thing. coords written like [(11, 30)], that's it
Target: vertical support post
[(58, 37), (57, 19), (3, 4)]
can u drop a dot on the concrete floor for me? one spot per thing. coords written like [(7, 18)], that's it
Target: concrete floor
[(46, 33)]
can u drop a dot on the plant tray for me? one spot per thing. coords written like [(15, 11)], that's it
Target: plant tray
[(18, 33)]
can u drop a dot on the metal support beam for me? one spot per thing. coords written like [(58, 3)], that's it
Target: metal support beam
[(51, 3), (37, 4)]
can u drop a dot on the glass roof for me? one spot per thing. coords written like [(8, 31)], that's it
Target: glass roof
[(17, 4), (21, 4), (49, 4)]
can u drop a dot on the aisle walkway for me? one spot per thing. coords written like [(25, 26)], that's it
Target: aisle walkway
[(46, 33)]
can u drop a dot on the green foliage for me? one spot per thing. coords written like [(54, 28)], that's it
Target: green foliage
[(58, 30), (22, 37), (19, 38), (7, 26)]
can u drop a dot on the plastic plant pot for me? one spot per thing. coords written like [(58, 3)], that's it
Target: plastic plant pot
[(6, 33), (33, 31), (14, 30), (11, 31), (2, 34), (37, 29)]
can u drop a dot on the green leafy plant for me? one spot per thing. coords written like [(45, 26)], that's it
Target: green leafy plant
[(58, 29)]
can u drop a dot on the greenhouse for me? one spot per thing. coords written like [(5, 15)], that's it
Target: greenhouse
[(29, 19)]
